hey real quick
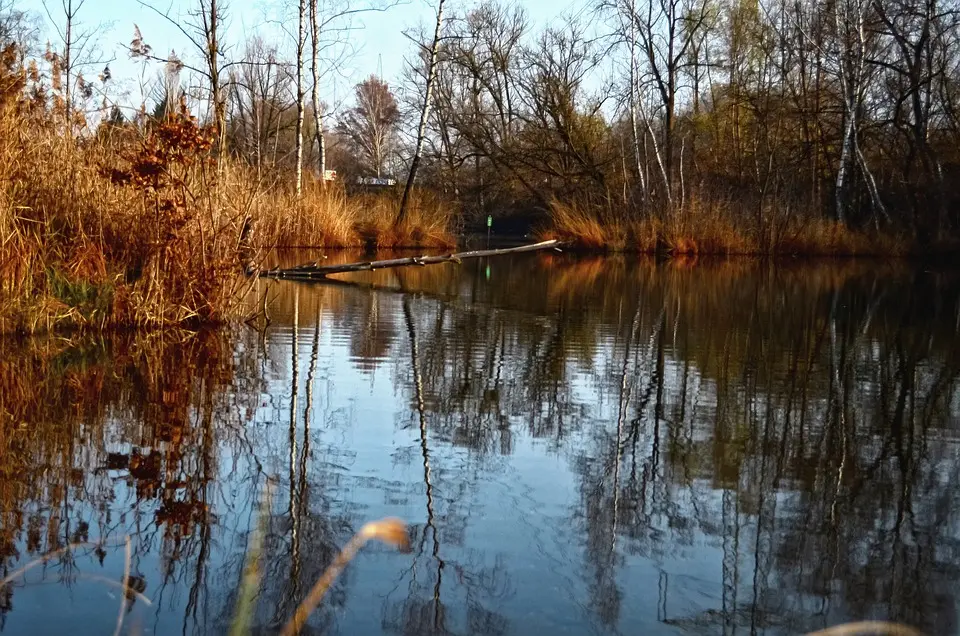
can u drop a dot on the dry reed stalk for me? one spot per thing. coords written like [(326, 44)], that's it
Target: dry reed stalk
[(867, 627), (126, 577), (390, 531), (250, 584), (46, 557), (705, 227)]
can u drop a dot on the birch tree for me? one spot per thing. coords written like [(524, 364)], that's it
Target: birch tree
[(424, 115), (315, 91), (666, 30), (330, 27), (851, 33), (301, 93), (632, 42)]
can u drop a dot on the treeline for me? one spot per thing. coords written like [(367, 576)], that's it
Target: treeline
[(769, 109), (763, 113), (757, 115)]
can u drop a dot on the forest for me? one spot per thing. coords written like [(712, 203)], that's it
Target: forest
[(764, 127)]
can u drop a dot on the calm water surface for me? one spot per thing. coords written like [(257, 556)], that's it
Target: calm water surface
[(580, 446)]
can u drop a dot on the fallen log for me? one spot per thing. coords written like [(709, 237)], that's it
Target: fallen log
[(310, 271)]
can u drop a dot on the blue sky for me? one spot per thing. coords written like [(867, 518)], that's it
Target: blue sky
[(378, 38)]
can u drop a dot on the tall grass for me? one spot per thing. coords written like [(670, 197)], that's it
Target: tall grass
[(428, 222), (321, 217), (136, 224), (713, 228), (95, 239)]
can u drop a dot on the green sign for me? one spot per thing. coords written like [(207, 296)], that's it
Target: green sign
[(489, 220)]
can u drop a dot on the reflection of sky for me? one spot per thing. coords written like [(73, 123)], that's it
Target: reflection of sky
[(513, 531)]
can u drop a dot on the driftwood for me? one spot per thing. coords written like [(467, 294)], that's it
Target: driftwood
[(312, 271)]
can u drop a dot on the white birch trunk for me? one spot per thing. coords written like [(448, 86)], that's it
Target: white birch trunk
[(301, 94), (845, 153), (315, 93), (851, 75), (656, 153)]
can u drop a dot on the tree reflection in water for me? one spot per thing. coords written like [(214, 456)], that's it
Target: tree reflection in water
[(596, 445)]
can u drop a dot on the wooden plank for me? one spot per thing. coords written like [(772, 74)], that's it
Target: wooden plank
[(310, 271)]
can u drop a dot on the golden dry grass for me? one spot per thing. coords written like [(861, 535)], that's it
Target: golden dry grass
[(830, 238), (700, 229), (137, 225), (428, 222), (583, 227), (321, 217)]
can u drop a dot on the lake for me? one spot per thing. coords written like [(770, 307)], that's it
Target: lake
[(579, 445)]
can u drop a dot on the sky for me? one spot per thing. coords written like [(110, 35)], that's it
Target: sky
[(378, 36)]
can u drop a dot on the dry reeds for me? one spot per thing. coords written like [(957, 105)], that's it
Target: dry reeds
[(138, 224), (712, 229), (321, 217), (428, 222)]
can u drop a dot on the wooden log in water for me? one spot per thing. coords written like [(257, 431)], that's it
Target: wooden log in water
[(314, 270)]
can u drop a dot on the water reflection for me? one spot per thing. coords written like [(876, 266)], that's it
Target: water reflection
[(580, 445)]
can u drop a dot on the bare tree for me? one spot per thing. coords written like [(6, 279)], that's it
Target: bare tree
[(202, 28), (371, 124), (18, 26), (916, 31), (850, 20), (326, 24), (666, 29), (79, 52), (331, 28), (315, 91), (632, 42), (424, 115), (259, 105)]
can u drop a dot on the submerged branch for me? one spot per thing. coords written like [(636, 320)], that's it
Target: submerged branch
[(315, 271)]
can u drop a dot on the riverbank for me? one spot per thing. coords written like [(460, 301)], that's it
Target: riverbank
[(709, 232), (146, 224)]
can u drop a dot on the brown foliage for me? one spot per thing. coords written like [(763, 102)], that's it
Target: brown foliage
[(139, 225)]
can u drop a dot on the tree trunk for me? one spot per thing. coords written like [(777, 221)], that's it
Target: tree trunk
[(315, 271), (315, 94), (301, 94), (633, 99), (424, 114), (845, 153), (657, 155), (875, 200), (216, 94)]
